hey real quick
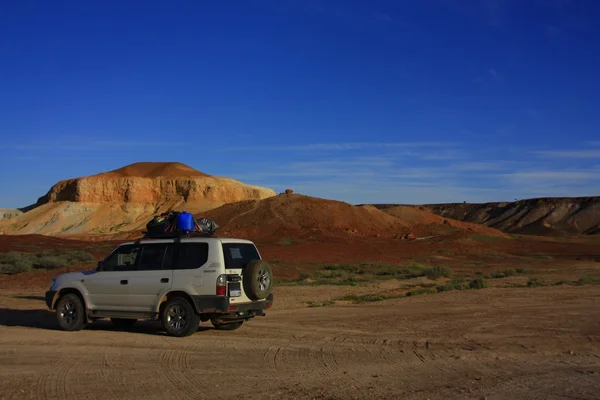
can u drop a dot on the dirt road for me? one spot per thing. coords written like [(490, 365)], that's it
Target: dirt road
[(541, 343)]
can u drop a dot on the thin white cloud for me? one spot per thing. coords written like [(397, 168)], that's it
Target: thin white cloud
[(340, 146), (87, 145), (554, 176), (594, 153), (480, 166)]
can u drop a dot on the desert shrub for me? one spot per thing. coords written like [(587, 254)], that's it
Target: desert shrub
[(504, 274), (418, 292), (444, 288), (51, 262), (17, 262), (365, 298), (454, 284), (286, 241), (438, 272), (353, 269), (478, 283), (534, 283), (485, 238), (587, 280), (320, 304), (303, 277)]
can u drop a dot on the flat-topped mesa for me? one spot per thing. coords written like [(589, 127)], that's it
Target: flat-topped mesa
[(153, 183)]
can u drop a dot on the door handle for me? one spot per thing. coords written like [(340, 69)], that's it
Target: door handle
[(124, 282), (164, 280)]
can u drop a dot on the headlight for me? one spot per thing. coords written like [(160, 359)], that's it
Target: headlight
[(52, 283)]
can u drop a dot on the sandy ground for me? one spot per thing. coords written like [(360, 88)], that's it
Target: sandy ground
[(517, 343)]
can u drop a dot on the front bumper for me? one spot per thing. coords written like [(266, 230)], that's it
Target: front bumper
[(50, 298), (220, 304)]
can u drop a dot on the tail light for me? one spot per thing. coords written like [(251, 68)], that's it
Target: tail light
[(222, 285)]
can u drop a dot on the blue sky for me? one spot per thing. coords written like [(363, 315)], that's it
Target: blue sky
[(360, 101)]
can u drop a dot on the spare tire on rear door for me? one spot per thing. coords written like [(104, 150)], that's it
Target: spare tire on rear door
[(258, 279)]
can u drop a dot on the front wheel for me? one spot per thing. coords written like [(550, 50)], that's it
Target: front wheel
[(231, 326), (179, 318), (70, 313)]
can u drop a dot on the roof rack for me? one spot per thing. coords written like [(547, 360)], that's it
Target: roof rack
[(173, 235)]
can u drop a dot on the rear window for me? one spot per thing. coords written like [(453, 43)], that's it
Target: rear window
[(237, 255)]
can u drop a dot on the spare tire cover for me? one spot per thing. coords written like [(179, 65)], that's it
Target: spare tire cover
[(258, 279)]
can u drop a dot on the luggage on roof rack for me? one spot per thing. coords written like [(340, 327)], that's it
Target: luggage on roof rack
[(170, 235), (174, 235), (175, 223)]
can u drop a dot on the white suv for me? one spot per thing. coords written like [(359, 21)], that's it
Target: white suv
[(179, 281)]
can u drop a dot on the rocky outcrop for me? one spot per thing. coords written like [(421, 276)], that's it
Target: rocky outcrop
[(126, 198), (154, 183), (539, 216), (153, 190)]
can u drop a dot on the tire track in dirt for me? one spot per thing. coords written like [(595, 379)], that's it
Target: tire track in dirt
[(115, 380), (58, 381), (176, 367), (271, 355)]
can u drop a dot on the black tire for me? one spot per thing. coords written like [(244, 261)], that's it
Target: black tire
[(258, 279), (123, 323), (179, 318), (70, 313), (231, 326)]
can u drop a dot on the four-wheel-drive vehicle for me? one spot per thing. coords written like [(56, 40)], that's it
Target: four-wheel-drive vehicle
[(180, 281)]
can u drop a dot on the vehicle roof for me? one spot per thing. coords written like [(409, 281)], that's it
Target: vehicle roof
[(189, 240)]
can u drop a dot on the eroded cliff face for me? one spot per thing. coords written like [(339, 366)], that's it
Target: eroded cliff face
[(538, 216), (153, 190), (8, 213), (126, 199)]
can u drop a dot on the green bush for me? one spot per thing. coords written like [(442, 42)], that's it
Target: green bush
[(418, 292), (505, 273), (286, 241), (365, 298), (438, 272), (478, 283), (353, 269), (534, 283), (17, 262)]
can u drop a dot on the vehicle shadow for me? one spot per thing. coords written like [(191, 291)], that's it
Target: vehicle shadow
[(37, 298), (45, 319)]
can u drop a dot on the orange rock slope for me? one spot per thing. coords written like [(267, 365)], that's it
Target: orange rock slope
[(298, 216), (126, 198)]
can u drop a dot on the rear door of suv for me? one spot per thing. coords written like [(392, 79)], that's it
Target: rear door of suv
[(192, 271), (236, 256)]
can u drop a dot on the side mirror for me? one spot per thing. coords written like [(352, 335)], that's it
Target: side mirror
[(100, 266)]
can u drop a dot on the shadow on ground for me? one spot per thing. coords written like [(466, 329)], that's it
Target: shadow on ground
[(45, 319), (37, 298)]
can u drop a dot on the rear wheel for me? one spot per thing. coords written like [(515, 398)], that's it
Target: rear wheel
[(231, 326), (70, 313), (123, 323), (179, 318)]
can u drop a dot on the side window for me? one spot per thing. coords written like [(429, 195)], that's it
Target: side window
[(237, 255), (191, 255), (152, 257), (169, 257), (125, 258)]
